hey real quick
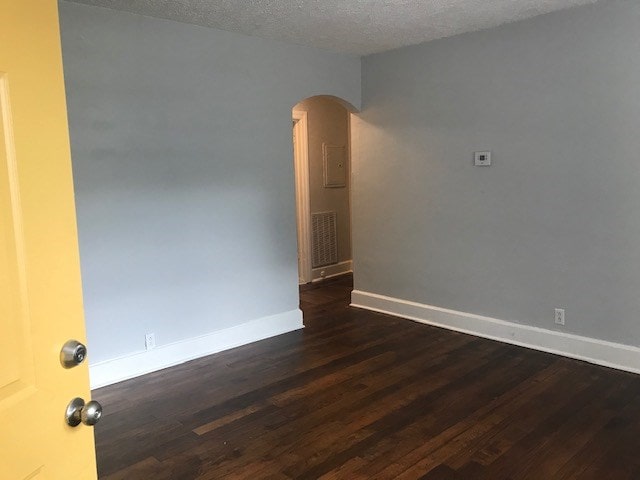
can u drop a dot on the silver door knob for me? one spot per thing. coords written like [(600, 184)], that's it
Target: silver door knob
[(79, 412), (73, 353)]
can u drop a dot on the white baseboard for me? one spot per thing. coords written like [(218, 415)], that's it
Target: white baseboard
[(331, 271), (140, 363), (600, 352)]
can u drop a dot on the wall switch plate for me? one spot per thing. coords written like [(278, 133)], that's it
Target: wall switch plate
[(482, 159), (150, 341), (559, 316)]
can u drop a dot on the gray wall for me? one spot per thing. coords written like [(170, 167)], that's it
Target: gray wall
[(328, 122), (555, 222), (181, 144)]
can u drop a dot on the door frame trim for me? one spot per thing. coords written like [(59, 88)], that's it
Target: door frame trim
[(303, 212)]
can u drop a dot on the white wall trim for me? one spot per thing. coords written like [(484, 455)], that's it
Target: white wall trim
[(600, 352), (140, 363), (332, 270), (303, 208)]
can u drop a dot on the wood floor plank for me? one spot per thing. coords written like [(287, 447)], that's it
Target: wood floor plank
[(461, 436), (360, 395)]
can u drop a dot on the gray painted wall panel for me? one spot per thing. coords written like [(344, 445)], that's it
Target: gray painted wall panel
[(182, 157), (555, 222)]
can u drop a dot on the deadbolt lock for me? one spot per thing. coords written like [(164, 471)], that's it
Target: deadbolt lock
[(73, 353)]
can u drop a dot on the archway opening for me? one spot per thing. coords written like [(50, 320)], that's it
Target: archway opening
[(322, 163)]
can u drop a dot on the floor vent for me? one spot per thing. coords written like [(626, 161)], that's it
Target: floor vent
[(324, 243)]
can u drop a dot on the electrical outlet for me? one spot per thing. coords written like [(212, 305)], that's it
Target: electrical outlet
[(150, 341), (559, 316)]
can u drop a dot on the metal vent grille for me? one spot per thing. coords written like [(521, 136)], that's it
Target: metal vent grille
[(324, 243)]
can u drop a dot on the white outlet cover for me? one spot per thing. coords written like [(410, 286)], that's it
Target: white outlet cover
[(150, 341), (482, 159)]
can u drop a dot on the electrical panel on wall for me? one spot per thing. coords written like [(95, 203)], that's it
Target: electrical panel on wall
[(335, 166)]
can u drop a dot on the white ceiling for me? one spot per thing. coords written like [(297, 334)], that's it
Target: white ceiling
[(350, 26)]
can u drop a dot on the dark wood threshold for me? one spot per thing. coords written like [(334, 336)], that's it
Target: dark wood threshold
[(327, 281)]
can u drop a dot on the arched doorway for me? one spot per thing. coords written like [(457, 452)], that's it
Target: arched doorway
[(322, 160)]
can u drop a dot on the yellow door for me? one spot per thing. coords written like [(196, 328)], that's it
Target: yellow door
[(40, 295)]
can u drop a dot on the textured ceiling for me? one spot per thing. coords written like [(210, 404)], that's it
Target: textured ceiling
[(349, 26)]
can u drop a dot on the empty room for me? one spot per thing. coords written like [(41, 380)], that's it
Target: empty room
[(349, 239)]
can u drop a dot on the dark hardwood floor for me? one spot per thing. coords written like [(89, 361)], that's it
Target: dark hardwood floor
[(359, 395)]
